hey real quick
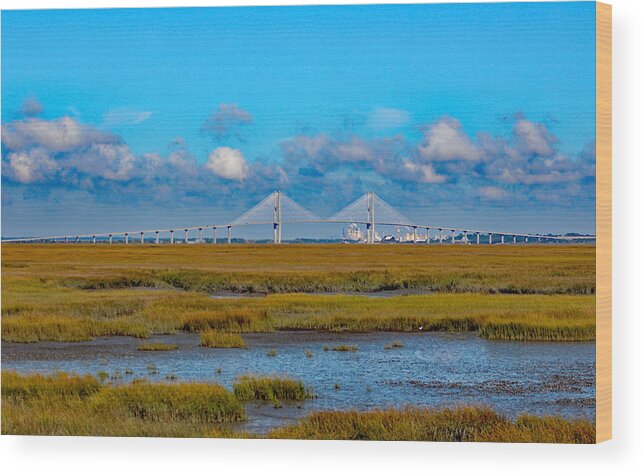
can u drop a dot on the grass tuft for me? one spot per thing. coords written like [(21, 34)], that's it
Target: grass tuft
[(264, 388), (157, 347), (217, 339), (349, 348), (394, 344)]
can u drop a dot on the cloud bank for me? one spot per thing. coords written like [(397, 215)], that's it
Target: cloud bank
[(444, 165)]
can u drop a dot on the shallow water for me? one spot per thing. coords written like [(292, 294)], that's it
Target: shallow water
[(433, 368), (376, 294)]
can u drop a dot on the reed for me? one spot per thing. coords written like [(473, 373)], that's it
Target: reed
[(264, 388), (217, 339), (157, 347), (463, 424)]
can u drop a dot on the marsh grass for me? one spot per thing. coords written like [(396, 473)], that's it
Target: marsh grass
[(64, 404), (310, 268), (349, 348), (157, 347), (76, 293), (464, 424), (265, 388), (217, 339), (394, 344)]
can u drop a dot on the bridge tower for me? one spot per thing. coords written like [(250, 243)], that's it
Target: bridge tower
[(276, 217), (370, 217)]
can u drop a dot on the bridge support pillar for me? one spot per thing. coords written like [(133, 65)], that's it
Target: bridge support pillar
[(415, 234), (502, 239), (428, 237), (214, 235), (229, 235), (526, 239), (370, 217), (477, 238), (441, 236), (453, 236), (276, 217), (185, 236), (200, 235), (514, 239), (158, 239), (94, 239), (126, 238), (171, 236), (142, 237), (111, 239), (490, 238)]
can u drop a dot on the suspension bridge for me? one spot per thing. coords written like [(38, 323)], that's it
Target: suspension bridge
[(277, 210)]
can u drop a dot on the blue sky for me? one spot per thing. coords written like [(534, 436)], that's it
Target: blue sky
[(469, 115)]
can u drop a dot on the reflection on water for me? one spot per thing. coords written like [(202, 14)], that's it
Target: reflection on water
[(435, 369)]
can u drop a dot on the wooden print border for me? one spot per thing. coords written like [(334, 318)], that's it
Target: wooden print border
[(603, 222)]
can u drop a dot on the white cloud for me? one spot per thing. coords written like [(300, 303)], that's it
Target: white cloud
[(423, 172), (228, 163), (125, 116), (57, 135), (445, 140), (494, 193), (533, 138), (385, 118), (31, 166), (106, 160)]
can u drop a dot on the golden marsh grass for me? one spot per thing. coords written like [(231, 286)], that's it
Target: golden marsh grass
[(218, 339), (463, 424), (267, 388), (65, 404), (310, 268), (77, 292), (157, 347)]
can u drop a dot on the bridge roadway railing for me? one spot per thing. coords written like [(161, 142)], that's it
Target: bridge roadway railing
[(140, 234)]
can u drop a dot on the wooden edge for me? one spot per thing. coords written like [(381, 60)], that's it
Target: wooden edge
[(603, 222)]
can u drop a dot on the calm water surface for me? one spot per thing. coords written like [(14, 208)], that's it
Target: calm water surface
[(433, 368)]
